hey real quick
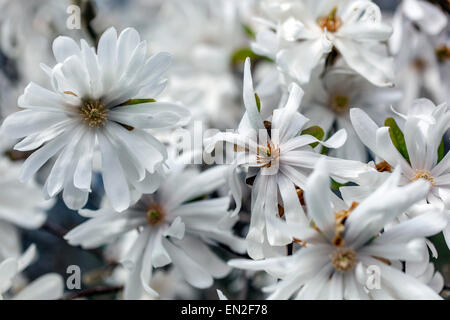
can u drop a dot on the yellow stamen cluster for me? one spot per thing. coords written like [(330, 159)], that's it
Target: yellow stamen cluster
[(155, 215), (340, 103), (423, 174), (94, 113), (419, 64), (343, 259), (267, 154), (443, 53), (331, 22)]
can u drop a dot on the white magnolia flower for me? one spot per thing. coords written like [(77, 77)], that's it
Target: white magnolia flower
[(27, 29), (413, 14), (15, 209), (142, 14), (425, 272), (176, 224), (202, 77), (89, 108), (298, 34), (417, 43), (420, 70), (342, 243), (25, 212), (328, 100), (169, 284), (47, 287), (210, 47), (279, 159), (424, 128)]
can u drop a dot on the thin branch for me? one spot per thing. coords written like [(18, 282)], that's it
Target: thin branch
[(94, 292), (54, 229), (59, 232)]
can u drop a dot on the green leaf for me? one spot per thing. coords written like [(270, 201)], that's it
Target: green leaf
[(258, 102), (249, 31), (397, 137), (137, 101), (238, 57), (241, 54), (316, 132), (336, 185), (441, 151)]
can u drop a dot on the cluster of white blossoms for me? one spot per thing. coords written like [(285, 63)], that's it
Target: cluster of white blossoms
[(336, 183)]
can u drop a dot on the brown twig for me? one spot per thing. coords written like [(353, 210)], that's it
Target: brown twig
[(94, 292)]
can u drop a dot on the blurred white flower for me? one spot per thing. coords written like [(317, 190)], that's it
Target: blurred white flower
[(168, 283), (425, 272), (413, 14), (91, 106), (279, 158), (298, 35), (421, 51), (202, 76), (25, 212), (176, 224), (47, 287), (424, 128), (15, 209), (328, 100), (420, 71), (27, 29), (342, 243)]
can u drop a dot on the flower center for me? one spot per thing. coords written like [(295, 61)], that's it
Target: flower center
[(155, 215), (419, 64), (94, 113), (266, 155), (443, 53), (340, 103), (423, 174), (343, 259), (331, 22)]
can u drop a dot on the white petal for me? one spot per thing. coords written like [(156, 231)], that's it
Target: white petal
[(116, 185), (47, 287), (64, 47)]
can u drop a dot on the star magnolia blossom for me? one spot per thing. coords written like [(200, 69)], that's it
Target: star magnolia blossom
[(418, 69), (343, 242), (15, 209), (279, 159), (47, 287), (299, 33), (175, 227), (424, 271), (369, 182), (420, 51), (26, 212), (328, 100), (424, 128), (413, 14), (202, 77), (90, 107)]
